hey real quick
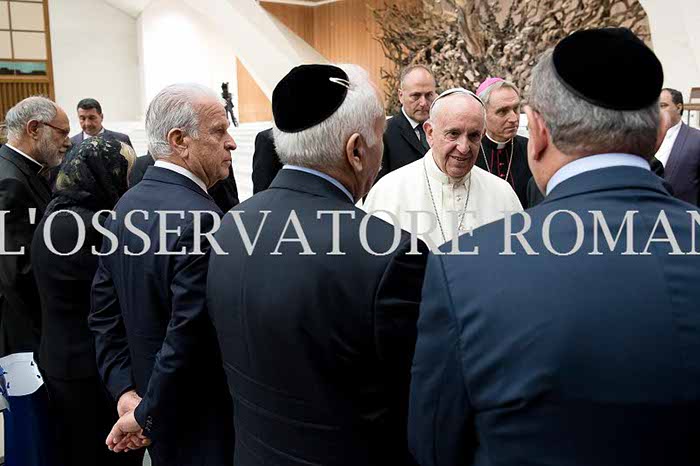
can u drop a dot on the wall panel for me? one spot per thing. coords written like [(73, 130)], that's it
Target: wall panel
[(253, 105), (13, 92)]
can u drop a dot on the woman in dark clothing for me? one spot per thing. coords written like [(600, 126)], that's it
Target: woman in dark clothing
[(92, 178)]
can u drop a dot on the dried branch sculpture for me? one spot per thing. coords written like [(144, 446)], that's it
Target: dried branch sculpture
[(465, 41)]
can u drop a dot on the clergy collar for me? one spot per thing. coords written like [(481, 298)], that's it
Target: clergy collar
[(435, 173), (36, 165), (413, 122), (499, 145)]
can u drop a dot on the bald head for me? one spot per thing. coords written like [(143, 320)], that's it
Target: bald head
[(417, 92)]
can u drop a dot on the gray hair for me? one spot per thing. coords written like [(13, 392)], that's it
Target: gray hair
[(580, 128), (37, 107), (322, 146), (411, 68), (173, 107), (485, 95)]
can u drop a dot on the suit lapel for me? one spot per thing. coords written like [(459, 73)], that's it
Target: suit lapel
[(674, 159), (409, 134)]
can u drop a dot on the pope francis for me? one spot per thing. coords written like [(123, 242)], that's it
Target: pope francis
[(443, 194)]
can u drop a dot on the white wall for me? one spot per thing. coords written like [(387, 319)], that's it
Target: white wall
[(95, 55), (178, 44), (675, 36)]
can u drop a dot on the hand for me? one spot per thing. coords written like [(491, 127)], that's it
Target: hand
[(126, 435), (128, 402)]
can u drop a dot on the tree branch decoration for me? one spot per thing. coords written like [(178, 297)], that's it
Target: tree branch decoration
[(466, 41)]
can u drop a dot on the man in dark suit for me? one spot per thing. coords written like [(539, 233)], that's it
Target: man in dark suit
[(317, 342), (561, 345), (680, 150), (37, 140), (90, 118), (266, 162), (155, 344), (404, 137), (224, 192)]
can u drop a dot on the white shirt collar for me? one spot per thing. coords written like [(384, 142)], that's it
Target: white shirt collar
[(666, 147), (23, 154), (413, 122), (87, 136), (182, 171), (325, 176), (595, 162), (499, 145)]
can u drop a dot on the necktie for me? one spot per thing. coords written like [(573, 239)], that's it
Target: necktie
[(423, 139)]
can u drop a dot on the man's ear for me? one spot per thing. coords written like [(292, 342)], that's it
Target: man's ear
[(178, 141), (538, 134), (400, 96), (33, 129), (355, 152), (428, 128)]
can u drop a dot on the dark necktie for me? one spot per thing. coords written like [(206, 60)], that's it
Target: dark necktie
[(423, 139)]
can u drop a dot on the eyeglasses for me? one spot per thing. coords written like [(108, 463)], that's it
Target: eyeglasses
[(61, 131), (456, 90)]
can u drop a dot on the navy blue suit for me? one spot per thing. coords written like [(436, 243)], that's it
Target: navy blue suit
[(317, 348), (563, 360), (152, 332), (683, 166)]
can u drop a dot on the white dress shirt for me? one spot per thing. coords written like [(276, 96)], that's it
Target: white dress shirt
[(595, 162), (414, 123), (182, 171), (87, 136), (664, 151)]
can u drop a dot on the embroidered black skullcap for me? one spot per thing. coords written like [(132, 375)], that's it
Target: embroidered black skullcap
[(308, 95), (609, 67)]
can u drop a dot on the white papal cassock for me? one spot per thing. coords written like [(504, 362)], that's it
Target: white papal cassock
[(421, 186)]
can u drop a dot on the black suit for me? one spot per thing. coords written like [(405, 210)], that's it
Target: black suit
[(401, 145), (266, 163), (21, 188), (317, 348), (152, 332), (224, 192), (83, 412)]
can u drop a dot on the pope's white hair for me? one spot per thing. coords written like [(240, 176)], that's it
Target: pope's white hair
[(173, 107), (323, 146)]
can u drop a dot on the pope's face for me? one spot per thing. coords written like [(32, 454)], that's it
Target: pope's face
[(455, 134)]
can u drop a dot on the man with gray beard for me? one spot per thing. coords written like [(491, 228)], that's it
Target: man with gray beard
[(37, 139)]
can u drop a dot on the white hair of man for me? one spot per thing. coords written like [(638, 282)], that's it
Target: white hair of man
[(485, 95), (323, 145), (580, 128), (174, 107), (439, 101), (37, 108)]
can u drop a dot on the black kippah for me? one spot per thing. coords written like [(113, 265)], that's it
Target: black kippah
[(610, 68), (308, 95)]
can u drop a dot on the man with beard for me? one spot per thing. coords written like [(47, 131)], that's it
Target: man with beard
[(37, 139), (502, 152)]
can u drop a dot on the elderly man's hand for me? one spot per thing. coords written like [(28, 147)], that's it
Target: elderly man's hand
[(128, 402), (127, 435)]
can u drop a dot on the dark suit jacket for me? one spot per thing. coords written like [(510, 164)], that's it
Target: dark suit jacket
[(266, 163), (67, 349), (21, 189), (152, 332), (551, 360), (683, 166), (317, 348), (224, 192), (401, 146), (78, 138)]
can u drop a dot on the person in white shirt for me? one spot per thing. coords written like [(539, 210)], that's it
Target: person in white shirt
[(452, 195)]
